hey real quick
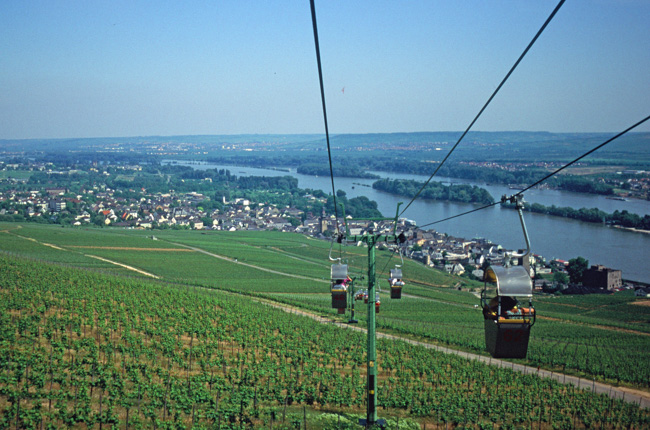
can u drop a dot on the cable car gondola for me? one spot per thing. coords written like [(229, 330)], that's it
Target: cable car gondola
[(507, 323), (396, 283), (339, 289)]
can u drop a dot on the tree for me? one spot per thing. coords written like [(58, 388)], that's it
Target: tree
[(577, 268), (560, 278)]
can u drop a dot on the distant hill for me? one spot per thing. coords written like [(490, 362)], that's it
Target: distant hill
[(520, 146)]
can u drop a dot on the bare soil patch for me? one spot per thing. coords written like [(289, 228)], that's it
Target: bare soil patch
[(642, 303), (542, 317), (124, 265), (125, 248), (592, 170)]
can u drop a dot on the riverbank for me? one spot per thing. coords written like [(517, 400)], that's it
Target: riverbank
[(635, 230), (618, 219)]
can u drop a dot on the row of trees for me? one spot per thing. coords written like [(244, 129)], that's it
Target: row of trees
[(574, 273), (526, 175), (435, 191), (346, 171), (622, 218)]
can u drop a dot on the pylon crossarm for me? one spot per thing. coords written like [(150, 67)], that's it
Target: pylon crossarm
[(378, 238)]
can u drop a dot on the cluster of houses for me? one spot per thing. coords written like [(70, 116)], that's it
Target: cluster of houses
[(101, 206), (639, 185), (33, 203), (456, 255)]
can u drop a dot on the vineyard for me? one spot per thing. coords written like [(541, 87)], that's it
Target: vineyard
[(601, 353), (84, 342)]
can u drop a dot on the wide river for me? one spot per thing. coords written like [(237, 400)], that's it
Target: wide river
[(551, 237)]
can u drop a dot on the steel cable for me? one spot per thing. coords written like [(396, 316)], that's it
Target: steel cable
[(512, 69), (322, 94)]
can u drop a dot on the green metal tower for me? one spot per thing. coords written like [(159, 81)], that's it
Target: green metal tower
[(371, 388)]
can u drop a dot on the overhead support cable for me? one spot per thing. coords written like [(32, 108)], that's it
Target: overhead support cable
[(547, 176), (512, 69), (461, 214), (322, 95), (383, 270)]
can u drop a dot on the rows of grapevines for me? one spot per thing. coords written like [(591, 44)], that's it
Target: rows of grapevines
[(97, 350), (595, 352), (601, 353), (79, 348), (601, 311)]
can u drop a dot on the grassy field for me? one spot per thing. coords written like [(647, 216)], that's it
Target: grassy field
[(15, 174), (286, 253)]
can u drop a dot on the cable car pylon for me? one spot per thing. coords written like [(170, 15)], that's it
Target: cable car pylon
[(371, 239)]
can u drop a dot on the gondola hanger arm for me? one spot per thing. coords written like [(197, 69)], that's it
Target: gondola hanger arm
[(518, 201)]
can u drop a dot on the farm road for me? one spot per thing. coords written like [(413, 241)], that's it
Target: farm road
[(232, 260), (123, 265), (134, 269), (629, 395)]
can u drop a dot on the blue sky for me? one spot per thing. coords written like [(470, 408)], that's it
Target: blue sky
[(136, 68)]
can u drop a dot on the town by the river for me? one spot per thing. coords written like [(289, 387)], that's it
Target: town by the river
[(551, 237)]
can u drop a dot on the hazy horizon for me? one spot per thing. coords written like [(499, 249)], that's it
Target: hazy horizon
[(321, 135)]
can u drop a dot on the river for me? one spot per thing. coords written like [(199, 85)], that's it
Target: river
[(551, 237)]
